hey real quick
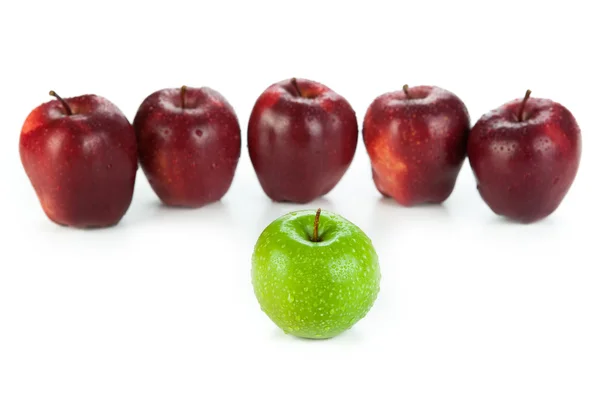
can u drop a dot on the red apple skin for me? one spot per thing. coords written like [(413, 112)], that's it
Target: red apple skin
[(82, 166), (189, 151), (417, 143), (525, 168), (301, 144)]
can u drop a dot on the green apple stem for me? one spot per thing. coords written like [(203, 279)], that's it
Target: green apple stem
[(296, 87), (315, 237), (182, 94), (522, 109), (62, 101), (405, 88)]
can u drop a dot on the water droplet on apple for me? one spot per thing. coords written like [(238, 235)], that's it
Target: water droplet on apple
[(290, 298)]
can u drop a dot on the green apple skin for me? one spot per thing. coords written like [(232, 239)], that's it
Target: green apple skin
[(309, 289)]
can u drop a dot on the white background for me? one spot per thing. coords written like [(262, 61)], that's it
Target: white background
[(161, 306)]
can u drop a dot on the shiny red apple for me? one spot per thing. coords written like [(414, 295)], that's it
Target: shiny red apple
[(189, 145), (80, 156), (525, 156), (301, 137), (417, 140)]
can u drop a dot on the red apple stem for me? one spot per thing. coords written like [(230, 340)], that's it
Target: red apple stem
[(296, 87), (62, 101), (315, 237), (405, 88), (182, 94), (522, 109)]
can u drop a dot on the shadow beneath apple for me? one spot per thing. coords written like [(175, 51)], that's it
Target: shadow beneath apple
[(545, 228), (388, 216), (534, 235), (216, 212), (498, 220), (154, 211), (390, 202), (48, 225), (350, 336)]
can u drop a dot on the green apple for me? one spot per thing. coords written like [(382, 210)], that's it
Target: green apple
[(315, 274)]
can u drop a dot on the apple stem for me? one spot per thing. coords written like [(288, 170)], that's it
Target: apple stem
[(405, 88), (522, 109), (315, 237), (62, 101), (295, 85), (182, 94)]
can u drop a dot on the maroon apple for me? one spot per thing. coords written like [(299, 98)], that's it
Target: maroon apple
[(80, 156), (417, 142), (525, 156), (301, 137), (189, 145)]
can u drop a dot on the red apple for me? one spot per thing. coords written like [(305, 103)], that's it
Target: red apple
[(189, 145), (417, 141), (301, 138), (80, 156), (525, 156)]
